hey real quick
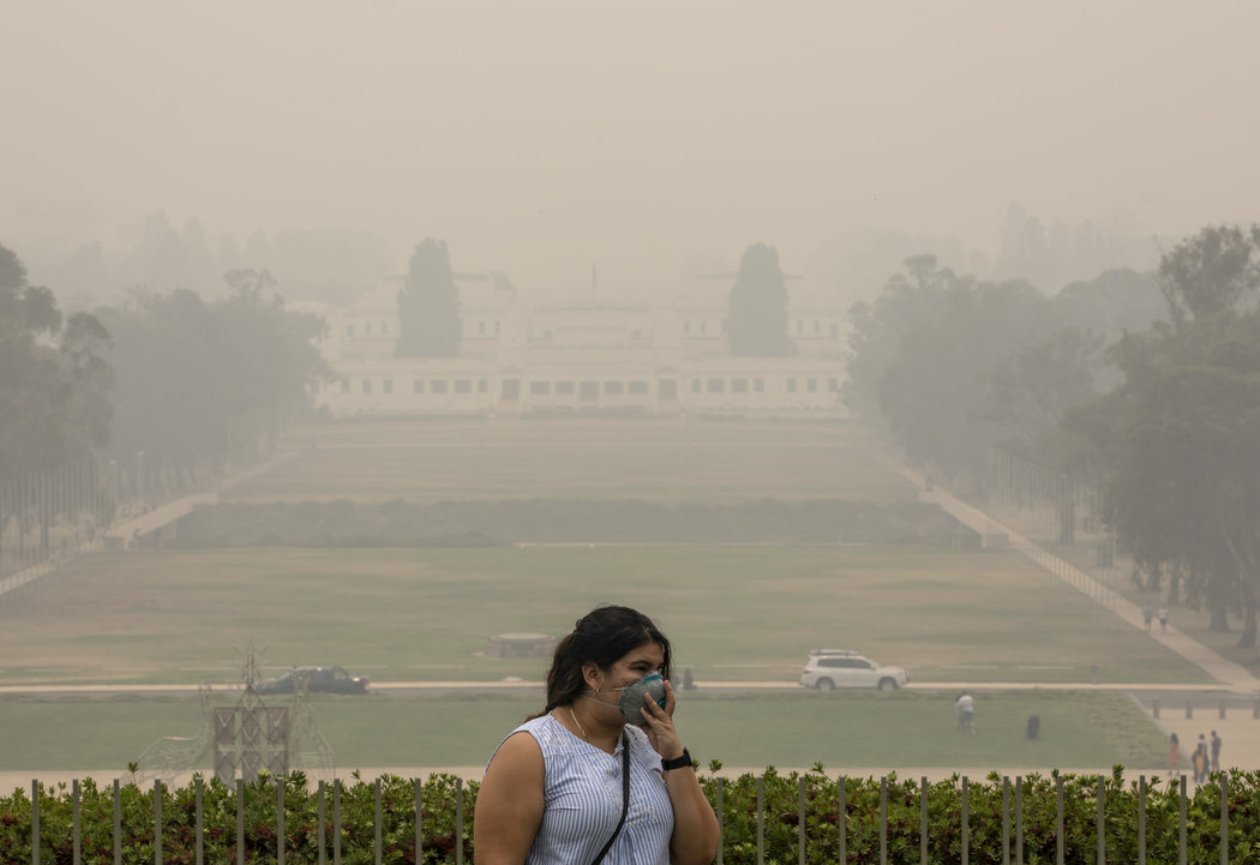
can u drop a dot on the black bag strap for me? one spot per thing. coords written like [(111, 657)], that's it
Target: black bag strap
[(625, 796)]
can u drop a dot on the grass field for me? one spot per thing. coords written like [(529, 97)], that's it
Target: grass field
[(792, 730), (666, 461), (734, 613)]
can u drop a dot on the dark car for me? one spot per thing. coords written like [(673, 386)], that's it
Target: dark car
[(315, 680)]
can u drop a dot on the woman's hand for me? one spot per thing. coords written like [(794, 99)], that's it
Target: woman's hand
[(660, 724)]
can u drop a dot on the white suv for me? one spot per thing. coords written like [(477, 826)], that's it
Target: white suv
[(840, 668)]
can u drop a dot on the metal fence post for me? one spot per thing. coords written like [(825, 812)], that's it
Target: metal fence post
[(34, 822), (923, 820), (459, 822), (336, 821), (117, 823), (419, 788), (800, 822), (883, 820), (1141, 820), (1019, 820), (157, 823), (1181, 822), (966, 821), (321, 815), (1224, 819), (1058, 819), (240, 821), (76, 828), (199, 817), (1100, 822)]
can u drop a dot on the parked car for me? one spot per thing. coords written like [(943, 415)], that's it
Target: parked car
[(316, 680), (826, 669)]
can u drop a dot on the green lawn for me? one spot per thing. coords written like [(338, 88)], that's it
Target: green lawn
[(790, 730), (734, 613), (666, 461)]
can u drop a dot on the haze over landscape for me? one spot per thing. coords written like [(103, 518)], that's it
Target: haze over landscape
[(397, 336), (652, 141)]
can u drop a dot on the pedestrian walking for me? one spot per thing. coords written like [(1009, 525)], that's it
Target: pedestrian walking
[(1147, 614), (1200, 760), (1174, 755), (1163, 620), (1216, 752)]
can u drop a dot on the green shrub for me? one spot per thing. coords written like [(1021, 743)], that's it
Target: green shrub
[(780, 812)]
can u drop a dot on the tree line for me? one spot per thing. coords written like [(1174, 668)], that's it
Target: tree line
[(1146, 386), (164, 385)]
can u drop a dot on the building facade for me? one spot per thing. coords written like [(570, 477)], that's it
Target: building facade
[(590, 358)]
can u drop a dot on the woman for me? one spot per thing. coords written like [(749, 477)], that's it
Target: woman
[(1174, 755), (555, 791)]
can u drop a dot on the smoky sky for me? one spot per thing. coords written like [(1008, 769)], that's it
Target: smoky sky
[(647, 138)]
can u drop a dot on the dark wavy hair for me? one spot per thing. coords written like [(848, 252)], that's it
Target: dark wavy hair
[(601, 637)]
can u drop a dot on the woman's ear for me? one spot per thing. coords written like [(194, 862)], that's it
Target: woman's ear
[(592, 675)]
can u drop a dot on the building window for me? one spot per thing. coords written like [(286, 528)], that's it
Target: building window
[(367, 385), (638, 387), (384, 328), (739, 385), (614, 388), (388, 385), (833, 384), (345, 385), (496, 328), (483, 386), (704, 326), (565, 387), (717, 385), (589, 391), (463, 385), (417, 386), (695, 385), (835, 330), (481, 328), (438, 385), (686, 327), (367, 328), (540, 388), (791, 385), (800, 327), (811, 385), (817, 326), (350, 330), (759, 385)]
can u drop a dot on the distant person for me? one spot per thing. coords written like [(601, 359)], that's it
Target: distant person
[(1174, 755), (965, 709), (1216, 752), (1034, 726), (1163, 619), (1147, 615), (689, 683), (1200, 760)]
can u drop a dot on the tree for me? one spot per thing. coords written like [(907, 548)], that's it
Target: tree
[(1209, 274), (758, 323), (428, 304), (1177, 439)]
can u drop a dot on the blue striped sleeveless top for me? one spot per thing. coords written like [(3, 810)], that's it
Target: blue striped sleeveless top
[(582, 800)]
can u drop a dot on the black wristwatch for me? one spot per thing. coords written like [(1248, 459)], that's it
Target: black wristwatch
[(678, 762)]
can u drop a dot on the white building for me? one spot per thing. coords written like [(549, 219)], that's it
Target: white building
[(517, 359)]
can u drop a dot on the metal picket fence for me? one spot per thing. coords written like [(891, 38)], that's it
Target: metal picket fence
[(330, 822)]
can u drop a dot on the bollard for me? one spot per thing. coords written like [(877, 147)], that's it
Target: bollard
[(1189, 709)]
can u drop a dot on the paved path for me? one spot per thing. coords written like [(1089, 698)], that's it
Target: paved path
[(1234, 676)]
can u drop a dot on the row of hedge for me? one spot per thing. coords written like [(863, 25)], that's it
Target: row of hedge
[(474, 523), (769, 811)]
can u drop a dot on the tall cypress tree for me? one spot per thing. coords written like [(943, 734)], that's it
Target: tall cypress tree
[(758, 305), (428, 304)]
